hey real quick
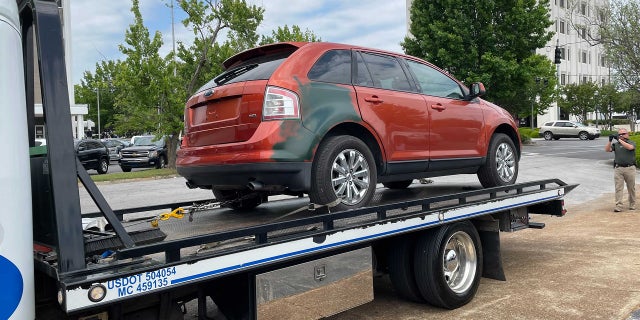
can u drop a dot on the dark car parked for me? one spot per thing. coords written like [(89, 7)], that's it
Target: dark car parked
[(146, 151), (114, 146), (93, 154)]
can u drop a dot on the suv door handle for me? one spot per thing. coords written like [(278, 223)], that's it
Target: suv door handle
[(374, 99), (438, 107)]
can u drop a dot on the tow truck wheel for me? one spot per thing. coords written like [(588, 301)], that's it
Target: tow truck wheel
[(125, 169), (448, 265), (252, 200), (398, 184), (501, 166), (343, 169), (401, 274), (103, 166)]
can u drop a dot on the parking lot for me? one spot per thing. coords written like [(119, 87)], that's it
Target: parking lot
[(585, 265)]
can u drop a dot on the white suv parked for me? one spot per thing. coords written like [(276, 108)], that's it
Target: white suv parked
[(568, 129)]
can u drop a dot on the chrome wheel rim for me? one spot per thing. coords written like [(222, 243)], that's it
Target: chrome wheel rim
[(459, 262), (104, 166), (350, 176), (505, 162)]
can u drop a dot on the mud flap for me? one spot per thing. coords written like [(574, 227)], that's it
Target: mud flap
[(492, 263)]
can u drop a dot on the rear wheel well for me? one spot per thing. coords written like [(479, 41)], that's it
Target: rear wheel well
[(358, 131)]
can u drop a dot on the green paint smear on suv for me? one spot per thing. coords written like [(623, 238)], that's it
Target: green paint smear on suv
[(323, 106)]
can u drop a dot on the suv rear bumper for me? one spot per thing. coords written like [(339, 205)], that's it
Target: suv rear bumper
[(295, 176)]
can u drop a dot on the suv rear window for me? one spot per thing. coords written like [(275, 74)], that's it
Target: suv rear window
[(259, 68), (334, 66)]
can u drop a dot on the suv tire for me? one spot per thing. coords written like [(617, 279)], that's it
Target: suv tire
[(501, 167), (349, 162), (103, 166), (161, 162), (548, 135), (403, 184)]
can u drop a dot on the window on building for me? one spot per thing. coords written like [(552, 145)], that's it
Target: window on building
[(604, 81), (568, 56), (583, 8), (561, 3), (562, 28), (563, 79), (584, 79), (563, 53), (603, 62), (584, 57)]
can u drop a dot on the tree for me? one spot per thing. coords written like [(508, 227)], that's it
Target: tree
[(283, 34), (102, 81), (621, 39), (579, 99), (208, 19), (146, 101), (488, 40)]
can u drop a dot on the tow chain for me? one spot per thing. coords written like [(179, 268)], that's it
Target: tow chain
[(195, 207)]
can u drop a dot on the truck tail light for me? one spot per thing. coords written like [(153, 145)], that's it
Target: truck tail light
[(280, 104)]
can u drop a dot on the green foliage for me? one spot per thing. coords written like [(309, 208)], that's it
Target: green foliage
[(100, 84), (491, 41), (579, 99), (526, 134), (294, 34)]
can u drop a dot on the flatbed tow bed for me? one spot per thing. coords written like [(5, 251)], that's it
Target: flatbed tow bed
[(191, 256)]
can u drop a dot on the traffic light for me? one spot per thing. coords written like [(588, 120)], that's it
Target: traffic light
[(558, 56)]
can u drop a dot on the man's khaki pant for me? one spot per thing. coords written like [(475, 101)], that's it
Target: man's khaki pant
[(622, 176)]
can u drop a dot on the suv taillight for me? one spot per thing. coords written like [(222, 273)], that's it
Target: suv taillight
[(280, 104)]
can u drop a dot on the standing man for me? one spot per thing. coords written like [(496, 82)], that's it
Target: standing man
[(624, 164)]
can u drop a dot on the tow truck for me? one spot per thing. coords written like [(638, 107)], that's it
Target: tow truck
[(308, 262)]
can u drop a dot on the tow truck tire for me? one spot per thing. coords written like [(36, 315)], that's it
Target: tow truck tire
[(501, 166), (401, 274), (343, 167), (242, 205), (448, 265), (125, 169), (103, 166), (398, 184)]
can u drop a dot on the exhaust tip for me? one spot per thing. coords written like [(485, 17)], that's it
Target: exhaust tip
[(255, 185)]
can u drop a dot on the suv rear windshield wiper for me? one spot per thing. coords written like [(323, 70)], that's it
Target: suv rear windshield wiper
[(225, 77)]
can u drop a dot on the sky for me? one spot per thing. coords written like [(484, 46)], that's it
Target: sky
[(98, 27)]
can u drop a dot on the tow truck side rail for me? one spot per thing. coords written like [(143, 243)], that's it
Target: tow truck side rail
[(265, 249), (261, 233)]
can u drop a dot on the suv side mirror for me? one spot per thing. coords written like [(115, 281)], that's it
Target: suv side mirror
[(477, 89)]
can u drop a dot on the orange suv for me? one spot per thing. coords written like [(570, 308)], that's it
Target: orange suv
[(333, 120)]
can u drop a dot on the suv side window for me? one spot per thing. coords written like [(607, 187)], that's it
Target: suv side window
[(558, 124), (434, 82), (386, 72), (334, 66)]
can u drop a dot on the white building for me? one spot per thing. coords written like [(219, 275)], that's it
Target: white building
[(78, 111), (581, 61)]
